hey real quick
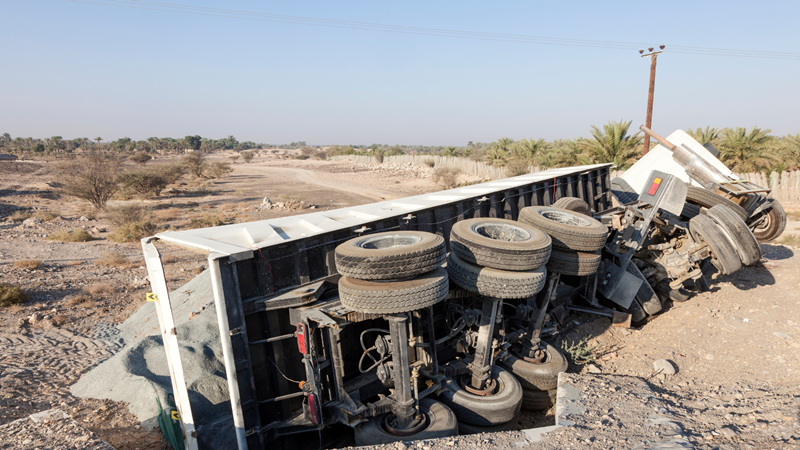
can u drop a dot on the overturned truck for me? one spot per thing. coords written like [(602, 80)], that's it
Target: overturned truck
[(423, 317)]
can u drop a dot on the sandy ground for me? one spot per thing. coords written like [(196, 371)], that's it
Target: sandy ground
[(740, 338)]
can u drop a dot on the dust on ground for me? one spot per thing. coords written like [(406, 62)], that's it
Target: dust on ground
[(736, 348)]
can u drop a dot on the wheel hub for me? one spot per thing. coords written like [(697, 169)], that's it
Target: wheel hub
[(489, 387), (391, 426), (565, 218)]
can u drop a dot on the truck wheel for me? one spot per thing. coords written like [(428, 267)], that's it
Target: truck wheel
[(533, 400), (773, 224), (623, 191), (573, 204), (569, 230), (537, 376), (466, 428), (389, 255), (740, 237), (723, 255), (645, 296), (690, 210), (497, 408), (679, 295), (495, 283), (707, 199), (390, 297), (500, 244), (573, 263), (636, 311), (440, 422)]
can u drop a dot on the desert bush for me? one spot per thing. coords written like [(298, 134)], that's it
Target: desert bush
[(321, 154), (140, 158), (234, 158), (92, 177), (147, 183), (11, 295), (306, 150), (113, 259), (27, 263), (446, 176), (20, 216), (210, 220), (133, 231), (171, 173), (219, 169), (48, 215), (58, 320), (130, 213), (99, 289), (477, 154), (76, 235), (247, 156), (77, 299), (195, 164), (301, 157), (517, 167), (429, 162)]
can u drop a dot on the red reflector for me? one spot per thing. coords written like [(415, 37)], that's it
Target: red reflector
[(654, 186), (302, 345), (312, 409)]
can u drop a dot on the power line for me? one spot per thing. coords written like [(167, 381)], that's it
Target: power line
[(401, 29)]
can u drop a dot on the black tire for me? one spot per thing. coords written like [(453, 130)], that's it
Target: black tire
[(500, 244), (678, 295), (495, 283), (537, 376), (533, 400), (723, 255), (390, 255), (573, 204), (690, 210), (485, 410), (441, 423), (376, 297), (466, 428), (569, 230), (623, 191), (740, 237), (645, 296), (707, 199), (573, 263), (636, 311), (773, 225)]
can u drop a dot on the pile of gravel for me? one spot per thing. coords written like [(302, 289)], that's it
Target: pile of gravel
[(138, 373)]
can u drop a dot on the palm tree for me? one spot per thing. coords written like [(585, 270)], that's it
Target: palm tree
[(704, 136), (791, 151), (613, 144), (98, 139), (563, 153), (747, 151), (498, 152), (528, 149), (449, 151)]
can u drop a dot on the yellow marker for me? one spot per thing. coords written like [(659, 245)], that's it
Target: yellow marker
[(176, 415), (152, 297)]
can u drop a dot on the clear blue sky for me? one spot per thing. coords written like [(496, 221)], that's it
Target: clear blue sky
[(85, 70)]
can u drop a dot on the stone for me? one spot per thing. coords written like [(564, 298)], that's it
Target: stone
[(593, 369), (664, 366), (727, 432), (31, 222), (35, 318), (400, 446), (265, 205), (84, 219)]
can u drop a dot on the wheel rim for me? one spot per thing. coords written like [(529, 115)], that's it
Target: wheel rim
[(492, 386), (565, 218), (390, 241), (389, 424), (501, 232)]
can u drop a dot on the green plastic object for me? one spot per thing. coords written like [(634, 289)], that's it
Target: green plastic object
[(169, 420)]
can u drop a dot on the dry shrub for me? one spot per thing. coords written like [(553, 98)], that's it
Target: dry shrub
[(165, 215), (58, 320), (99, 289), (168, 259), (48, 215), (198, 270), (517, 167), (77, 299), (209, 220), (19, 216), (247, 156), (429, 162), (11, 295), (125, 214), (132, 232), (219, 169), (233, 158), (113, 259), (77, 235), (140, 158), (27, 263), (446, 176), (93, 177), (145, 182)]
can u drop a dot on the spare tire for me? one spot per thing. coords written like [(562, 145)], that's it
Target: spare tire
[(623, 191), (723, 255), (391, 297), (707, 199), (493, 282), (740, 237), (773, 224), (500, 244), (573, 263), (690, 210), (573, 204), (390, 255), (569, 230)]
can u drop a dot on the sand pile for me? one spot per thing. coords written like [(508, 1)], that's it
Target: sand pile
[(139, 373)]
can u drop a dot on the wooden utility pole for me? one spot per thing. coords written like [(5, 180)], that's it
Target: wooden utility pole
[(649, 121)]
